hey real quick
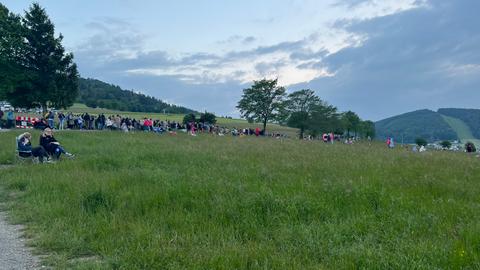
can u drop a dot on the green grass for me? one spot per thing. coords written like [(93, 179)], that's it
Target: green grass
[(463, 131), (143, 201)]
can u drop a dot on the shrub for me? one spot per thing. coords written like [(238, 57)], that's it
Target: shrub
[(208, 118), (446, 144), (470, 147), (188, 118), (421, 142)]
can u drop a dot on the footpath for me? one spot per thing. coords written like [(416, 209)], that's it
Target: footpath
[(14, 253)]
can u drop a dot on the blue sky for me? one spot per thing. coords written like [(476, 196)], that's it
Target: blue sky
[(376, 57)]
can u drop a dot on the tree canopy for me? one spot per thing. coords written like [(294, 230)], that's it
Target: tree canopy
[(36, 70), (262, 102)]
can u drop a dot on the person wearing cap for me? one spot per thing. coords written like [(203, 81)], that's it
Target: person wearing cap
[(51, 145)]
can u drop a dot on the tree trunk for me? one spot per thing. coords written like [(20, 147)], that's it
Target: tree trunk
[(265, 127), (44, 109), (301, 133)]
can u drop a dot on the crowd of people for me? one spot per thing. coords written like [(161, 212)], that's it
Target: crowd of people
[(88, 121)]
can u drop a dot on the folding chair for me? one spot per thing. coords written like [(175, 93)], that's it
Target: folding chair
[(23, 156)]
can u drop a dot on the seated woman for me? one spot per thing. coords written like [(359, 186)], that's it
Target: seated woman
[(51, 145), (25, 148)]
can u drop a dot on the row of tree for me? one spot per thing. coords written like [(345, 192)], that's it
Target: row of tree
[(265, 102), (35, 70)]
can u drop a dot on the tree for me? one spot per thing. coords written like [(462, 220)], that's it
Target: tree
[(351, 122), (208, 118), (299, 108), (324, 119), (262, 102), (446, 144), (189, 118), (14, 77), (55, 76), (367, 129), (421, 142), (470, 147)]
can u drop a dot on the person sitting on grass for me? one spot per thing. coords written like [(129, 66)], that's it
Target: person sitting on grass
[(25, 148), (51, 145)]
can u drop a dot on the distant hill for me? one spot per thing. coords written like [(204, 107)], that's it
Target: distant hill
[(423, 123), (445, 124), (95, 93)]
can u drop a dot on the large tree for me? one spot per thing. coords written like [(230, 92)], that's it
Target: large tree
[(299, 108), (324, 119), (14, 77), (351, 122), (55, 79), (262, 102)]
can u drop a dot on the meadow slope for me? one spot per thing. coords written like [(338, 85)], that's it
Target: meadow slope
[(463, 131), (144, 201)]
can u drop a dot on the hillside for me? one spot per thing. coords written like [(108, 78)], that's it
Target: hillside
[(95, 93), (471, 117), (425, 124)]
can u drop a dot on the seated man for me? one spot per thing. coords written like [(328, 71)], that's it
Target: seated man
[(25, 148), (51, 145)]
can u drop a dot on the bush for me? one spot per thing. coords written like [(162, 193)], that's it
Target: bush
[(189, 118), (470, 147), (421, 142), (208, 118), (446, 144)]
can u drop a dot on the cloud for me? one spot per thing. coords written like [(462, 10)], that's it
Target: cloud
[(421, 58), (397, 57), (237, 39)]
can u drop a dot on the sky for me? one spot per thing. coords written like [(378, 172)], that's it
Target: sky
[(378, 58)]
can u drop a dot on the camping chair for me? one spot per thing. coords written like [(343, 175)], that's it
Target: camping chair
[(28, 154)]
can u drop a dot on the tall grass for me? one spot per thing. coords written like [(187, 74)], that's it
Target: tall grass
[(144, 201)]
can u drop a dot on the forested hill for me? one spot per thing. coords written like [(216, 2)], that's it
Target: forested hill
[(445, 124), (95, 93)]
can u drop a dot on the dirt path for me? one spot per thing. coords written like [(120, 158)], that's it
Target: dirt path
[(14, 254)]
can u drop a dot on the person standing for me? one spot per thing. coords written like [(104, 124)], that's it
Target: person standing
[(391, 143), (61, 119), (10, 118), (51, 118), (1, 119)]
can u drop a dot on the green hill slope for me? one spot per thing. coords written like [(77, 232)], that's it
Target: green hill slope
[(426, 124), (471, 117), (463, 131)]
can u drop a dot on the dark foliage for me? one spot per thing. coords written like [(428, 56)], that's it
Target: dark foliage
[(95, 93)]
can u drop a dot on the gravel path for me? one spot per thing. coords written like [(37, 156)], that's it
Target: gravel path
[(14, 254)]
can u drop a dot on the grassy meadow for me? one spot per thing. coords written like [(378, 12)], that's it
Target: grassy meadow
[(147, 201)]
